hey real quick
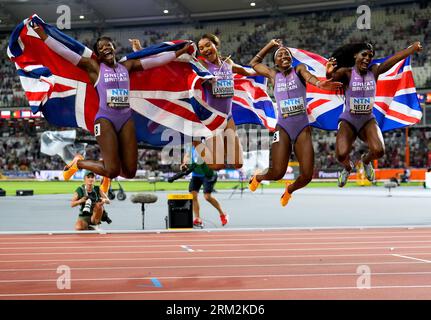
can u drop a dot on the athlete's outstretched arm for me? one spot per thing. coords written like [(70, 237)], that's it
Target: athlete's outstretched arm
[(236, 68), (322, 84), (397, 57), (256, 62), (156, 60), (336, 74), (87, 64)]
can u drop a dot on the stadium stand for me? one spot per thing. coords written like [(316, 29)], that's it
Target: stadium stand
[(391, 29)]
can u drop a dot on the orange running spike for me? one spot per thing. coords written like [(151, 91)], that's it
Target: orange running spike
[(71, 168)]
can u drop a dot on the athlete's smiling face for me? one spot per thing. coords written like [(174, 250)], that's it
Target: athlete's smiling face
[(363, 60), (208, 49), (106, 51), (283, 59)]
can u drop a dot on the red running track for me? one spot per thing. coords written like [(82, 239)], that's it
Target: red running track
[(276, 264)]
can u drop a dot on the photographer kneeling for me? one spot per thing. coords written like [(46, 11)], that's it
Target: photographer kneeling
[(91, 199)]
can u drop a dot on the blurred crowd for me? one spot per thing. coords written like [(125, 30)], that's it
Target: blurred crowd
[(395, 149)]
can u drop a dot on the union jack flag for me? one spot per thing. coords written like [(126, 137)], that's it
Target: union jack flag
[(170, 96), (396, 104), (251, 103), (54, 86)]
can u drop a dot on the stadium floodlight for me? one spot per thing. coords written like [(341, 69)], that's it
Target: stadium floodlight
[(253, 4), (81, 17), (165, 11)]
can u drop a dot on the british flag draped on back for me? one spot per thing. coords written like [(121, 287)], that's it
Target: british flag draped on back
[(396, 103), (165, 97)]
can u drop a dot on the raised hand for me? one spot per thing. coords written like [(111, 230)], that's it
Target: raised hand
[(417, 46), (38, 29), (185, 49), (276, 43), (329, 84), (136, 44), (331, 65)]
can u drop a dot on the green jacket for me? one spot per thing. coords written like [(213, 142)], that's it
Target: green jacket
[(93, 195), (200, 170)]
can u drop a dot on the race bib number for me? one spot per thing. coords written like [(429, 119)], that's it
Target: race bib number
[(361, 105), (223, 88), (276, 137), (117, 98), (292, 107), (97, 130)]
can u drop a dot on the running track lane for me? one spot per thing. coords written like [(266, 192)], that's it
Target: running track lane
[(269, 264)]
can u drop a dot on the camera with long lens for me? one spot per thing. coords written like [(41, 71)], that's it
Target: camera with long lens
[(184, 172), (105, 217), (87, 206)]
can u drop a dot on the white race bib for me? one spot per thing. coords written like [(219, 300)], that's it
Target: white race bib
[(276, 137), (117, 98), (292, 107), (361, 105), (223, 88), (97, 130)]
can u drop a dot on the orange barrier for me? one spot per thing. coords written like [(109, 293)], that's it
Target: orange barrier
[(386, 174)]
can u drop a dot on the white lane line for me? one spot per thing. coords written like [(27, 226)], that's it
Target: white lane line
[(315, 229), (304, 275), (222, 244), (318, 256), (189, 249), (411, 258), (334, 264), (213, 291), (186, 248), (199, 240), (211, 237)]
